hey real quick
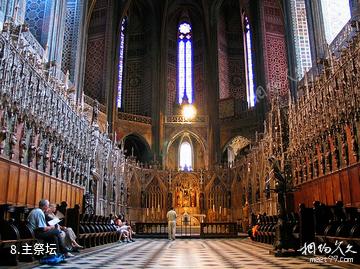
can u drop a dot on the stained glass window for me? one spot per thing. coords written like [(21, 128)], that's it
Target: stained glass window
[(336, 13), (121, 63), (185, 66), (250, 68), (185, 163), (301, 37)]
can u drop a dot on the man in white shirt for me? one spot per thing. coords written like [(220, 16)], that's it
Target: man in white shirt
[(171, 217)]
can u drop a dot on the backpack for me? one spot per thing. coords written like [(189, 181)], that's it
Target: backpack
[(52, 259)]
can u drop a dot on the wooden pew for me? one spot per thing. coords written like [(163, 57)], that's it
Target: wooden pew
[(335, 223), (91, 230)]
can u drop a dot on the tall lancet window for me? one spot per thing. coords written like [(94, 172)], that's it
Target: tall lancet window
[(185, 156), (121, 63), (250, 87), (301, 37), (185, 65), (336, 13)]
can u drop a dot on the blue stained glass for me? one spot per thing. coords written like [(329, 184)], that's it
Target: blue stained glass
[(189, 89), (121, 63), (181, 70), (185, 66), (250, 72)]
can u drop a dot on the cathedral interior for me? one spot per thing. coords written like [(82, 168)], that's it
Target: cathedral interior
[(241, 115)]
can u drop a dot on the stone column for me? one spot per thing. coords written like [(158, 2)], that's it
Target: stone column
[(212, 88), (258, 33), (80, 62), (7, 10), (315, 22), (355, 9), (290, 46), (110, 68), (2, 13), (113, 29), (159, 95)]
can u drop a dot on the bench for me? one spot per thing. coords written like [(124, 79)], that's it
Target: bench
[(91, 230), (15, 233)]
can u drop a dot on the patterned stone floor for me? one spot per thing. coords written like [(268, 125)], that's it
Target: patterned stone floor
[(184, 253)]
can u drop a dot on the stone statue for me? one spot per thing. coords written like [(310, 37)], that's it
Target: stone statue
[(282, 232), (202, 202), (169, 200)]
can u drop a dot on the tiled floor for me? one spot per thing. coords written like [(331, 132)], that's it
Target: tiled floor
[(184, 253)]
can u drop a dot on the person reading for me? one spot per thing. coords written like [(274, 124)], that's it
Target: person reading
[(48, 233), (67, 234)]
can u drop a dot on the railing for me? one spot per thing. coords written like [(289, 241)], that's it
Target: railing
[(218, 229), (135, 118), (181, 119), (155, 229)]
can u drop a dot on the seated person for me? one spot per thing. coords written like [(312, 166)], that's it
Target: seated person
[(49, 234), (111, 219), (124, 235), (67, 234), (124, 230), (62, 208), (126, 222)]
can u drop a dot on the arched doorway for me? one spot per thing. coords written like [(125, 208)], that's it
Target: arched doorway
[(236, 147), (137, 147)]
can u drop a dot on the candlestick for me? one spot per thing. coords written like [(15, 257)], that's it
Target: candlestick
[(147, 211), (220, 210), (213, 207)]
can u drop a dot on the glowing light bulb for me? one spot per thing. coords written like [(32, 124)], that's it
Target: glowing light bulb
[(189, 112)]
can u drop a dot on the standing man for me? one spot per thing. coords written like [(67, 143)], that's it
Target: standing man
[(171, 217)]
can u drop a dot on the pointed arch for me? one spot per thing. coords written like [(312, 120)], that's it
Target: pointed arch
[(186, 159), (137, 146), (155, 194), (198, 150), (134, 190)]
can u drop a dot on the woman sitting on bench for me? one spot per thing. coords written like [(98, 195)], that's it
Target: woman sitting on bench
[(68, 235), (124, 231), (49, 234)]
